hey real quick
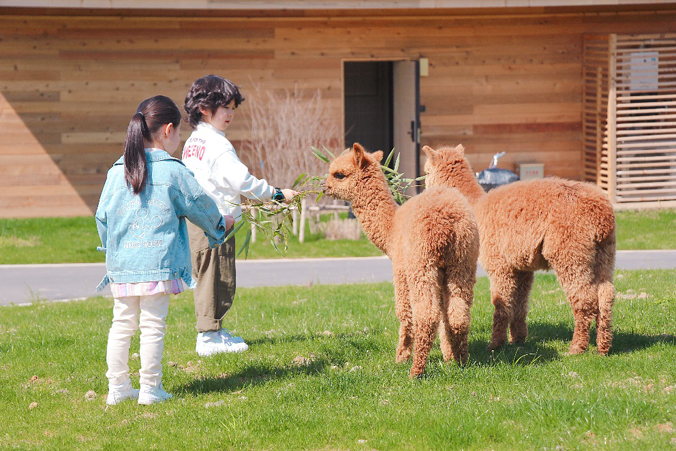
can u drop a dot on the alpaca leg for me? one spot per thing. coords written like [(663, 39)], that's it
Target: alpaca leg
[(403, 309), (426, 302), (445, 334), (425, 333), (503, 287), (604, 319), (518, 328), (459, 318), (460, 292), (583, 320), (582, 294), (605, 264)]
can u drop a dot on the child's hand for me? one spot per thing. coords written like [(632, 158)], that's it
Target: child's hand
[(229, 221), (289, 194)]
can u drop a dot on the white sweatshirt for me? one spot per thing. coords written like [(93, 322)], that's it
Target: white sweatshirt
[(212, 158)]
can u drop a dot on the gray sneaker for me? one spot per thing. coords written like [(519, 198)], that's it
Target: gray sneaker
[(152, 395), (217, 342)]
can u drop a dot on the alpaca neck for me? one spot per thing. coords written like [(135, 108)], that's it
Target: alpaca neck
[(375, 209), (469, 187)]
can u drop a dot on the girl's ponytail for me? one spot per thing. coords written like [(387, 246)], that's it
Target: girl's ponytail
[(150, 116), (135, 166)]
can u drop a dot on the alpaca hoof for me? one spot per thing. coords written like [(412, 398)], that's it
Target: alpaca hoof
[(517, 341), (603, 352), (403, 356), (576, 350), (493, 346), (414, 376)]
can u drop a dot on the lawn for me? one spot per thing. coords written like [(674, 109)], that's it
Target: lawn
[(74, 240), (320, 374)]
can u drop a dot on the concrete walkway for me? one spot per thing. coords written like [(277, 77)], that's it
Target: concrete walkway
[(21, 284)]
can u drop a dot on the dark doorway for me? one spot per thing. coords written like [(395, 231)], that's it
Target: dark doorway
[(369, 105)]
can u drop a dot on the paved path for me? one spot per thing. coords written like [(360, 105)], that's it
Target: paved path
[(21, 284)]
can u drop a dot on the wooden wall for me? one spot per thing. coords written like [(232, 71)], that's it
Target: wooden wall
[(69, 84)]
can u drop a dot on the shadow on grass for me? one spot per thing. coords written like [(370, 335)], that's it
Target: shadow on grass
[(358, 336), (622, 341), (329, 351), (538, 350), (253, 375)]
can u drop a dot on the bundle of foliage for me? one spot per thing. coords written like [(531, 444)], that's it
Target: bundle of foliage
[(274, 219)]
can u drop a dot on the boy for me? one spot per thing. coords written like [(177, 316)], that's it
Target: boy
[(211, 104)]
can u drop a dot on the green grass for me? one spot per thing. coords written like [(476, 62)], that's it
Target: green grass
[(49, 240), (74, 240), (649, 229), (320, 374)]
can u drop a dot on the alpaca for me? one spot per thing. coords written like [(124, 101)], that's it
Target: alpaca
[(548, 223), (433, 242)]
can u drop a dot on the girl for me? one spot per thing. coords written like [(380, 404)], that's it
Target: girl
[(141, 222)]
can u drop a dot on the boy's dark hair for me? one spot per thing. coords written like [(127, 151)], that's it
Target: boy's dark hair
[(209, 93), (150, 115)]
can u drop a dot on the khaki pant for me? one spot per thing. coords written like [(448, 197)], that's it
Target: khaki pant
[(214, 272)]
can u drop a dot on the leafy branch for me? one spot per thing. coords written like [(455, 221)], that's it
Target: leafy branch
[(396, 181), (273, 218)]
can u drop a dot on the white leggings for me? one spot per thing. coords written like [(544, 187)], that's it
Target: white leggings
[(153, 313)]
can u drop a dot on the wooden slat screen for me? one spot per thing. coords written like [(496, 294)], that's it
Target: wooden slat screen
[(629, 118), (646, 117), (595, 109)]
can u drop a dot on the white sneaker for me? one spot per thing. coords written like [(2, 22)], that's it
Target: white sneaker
[(216, 342), (228, 336), (119, 393), (152, 395)]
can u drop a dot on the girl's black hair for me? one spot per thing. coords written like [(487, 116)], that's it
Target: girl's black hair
[(209, 93), (151, 114)]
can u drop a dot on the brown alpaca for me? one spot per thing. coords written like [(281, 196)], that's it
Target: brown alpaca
[(550, 223), (433, 242)]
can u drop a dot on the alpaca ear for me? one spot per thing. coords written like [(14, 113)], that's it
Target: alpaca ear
[(429, 151), (358, 155), (378, 156), (460, 149)]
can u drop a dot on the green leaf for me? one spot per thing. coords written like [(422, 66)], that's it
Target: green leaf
[(235, 230), (245, 245), (318, 153), (299, 180), (272, 241), (329, 152), (388, 159)]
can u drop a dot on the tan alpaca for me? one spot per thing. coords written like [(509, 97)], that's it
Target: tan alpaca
[(550, 223), (433, 242)]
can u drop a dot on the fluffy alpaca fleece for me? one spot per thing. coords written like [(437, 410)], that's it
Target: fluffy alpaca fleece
[(433, 242), (549, 223)]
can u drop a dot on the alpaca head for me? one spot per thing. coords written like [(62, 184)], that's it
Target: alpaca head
[(349, 171), (443, 166)]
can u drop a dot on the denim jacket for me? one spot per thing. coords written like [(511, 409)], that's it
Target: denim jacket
[(144, 235)]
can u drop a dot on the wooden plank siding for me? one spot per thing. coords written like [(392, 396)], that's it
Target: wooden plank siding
[(70, 83)]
